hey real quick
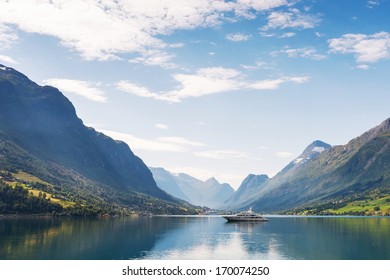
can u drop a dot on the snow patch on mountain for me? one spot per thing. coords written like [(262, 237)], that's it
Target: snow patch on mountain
[(298, 160), (318, 149)]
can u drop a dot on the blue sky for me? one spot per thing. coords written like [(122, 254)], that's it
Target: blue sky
[(210, 87)]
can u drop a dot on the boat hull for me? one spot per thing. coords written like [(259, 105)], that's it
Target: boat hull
[(247, 219)]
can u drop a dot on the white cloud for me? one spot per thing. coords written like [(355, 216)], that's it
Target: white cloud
[(161, 144), (180, 141), (267, 35), (372, 4), (276, 83), (82, 88), (225, 154), (284, 154), (291, 19), (155, 58), (7, 36), (366, 48), (257, 65), (103, 29), (221, 154), (245, 8), (237, 37), (266, 84), (161, 126), (363, 66), (287, 35), (308, 52), (7, 59), (141, 91), (207, 81)]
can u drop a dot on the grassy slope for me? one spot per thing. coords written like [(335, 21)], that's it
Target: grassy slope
[(369, 203), (73, 205), (374, 206)]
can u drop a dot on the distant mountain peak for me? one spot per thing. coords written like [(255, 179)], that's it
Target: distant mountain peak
[(251, 176), (212, 180), (318, 144), (312, 151), (209, 193)]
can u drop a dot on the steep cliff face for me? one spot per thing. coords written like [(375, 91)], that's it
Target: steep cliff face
[(43, 122)]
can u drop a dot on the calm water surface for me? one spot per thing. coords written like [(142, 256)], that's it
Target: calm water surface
[(194, 238)]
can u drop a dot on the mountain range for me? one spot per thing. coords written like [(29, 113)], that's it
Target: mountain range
[(40, 134), (326, 178), (48, 156), (346, 179), (209, 193)]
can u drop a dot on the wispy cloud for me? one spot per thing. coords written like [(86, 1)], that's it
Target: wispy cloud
[(287, 35), (257, 65), (238, 37), (103, 30), (161, 144), (308, 52), (82, 88), (366, 48), (207, 81), (8, 59), (7, 36), (363, 67), (155, 58), (284, 154), (373, 3), (221, 154), (225, 154), (293, 18), (181, 141), (161, 126)]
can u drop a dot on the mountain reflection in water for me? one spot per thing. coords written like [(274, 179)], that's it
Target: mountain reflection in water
[(194, 238)]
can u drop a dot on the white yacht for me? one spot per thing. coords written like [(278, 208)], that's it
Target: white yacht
[(245, 216)]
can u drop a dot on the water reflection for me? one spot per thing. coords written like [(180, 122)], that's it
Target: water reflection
[(194, 238)]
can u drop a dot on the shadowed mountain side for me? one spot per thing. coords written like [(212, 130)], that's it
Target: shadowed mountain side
[(41, 132)]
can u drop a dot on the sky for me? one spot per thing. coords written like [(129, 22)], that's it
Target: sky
[(210, 88)]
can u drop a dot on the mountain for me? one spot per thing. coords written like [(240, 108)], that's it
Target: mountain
[(309, 154), (251, 185), (256, 186), (332, 175), (208, 193), (41, 134), (166, 181)]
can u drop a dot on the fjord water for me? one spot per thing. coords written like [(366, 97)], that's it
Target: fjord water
[(338, 238)]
